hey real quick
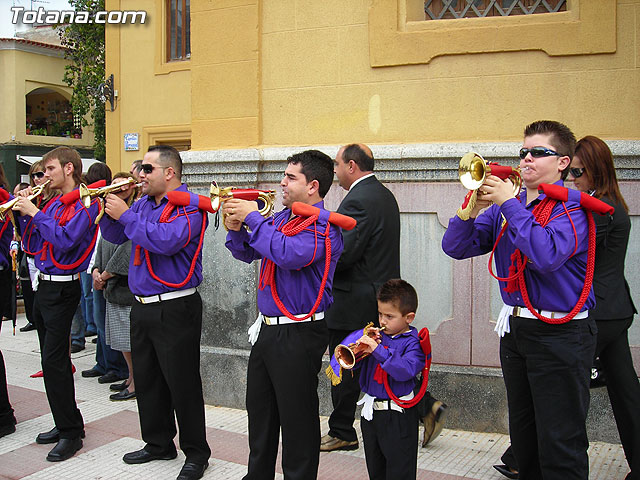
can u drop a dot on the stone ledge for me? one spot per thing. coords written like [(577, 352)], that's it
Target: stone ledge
[(394, 163)]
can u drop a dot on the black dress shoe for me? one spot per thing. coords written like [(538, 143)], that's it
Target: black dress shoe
[(142, 456), (65, 448), (91, 373), (118, 387), (28, 327), (75, 348), (52, 436), (192, 471), (7, 429), (504, 470), (110, 377), (122, 395)]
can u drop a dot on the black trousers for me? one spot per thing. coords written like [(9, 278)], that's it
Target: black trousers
[(53, 309), (6, 412), (622, 386), (546, 372), (391, 444), (282, 392), (165, 348), (344, 396)]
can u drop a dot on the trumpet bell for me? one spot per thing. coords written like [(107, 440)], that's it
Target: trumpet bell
[(214, 193), (472, 170), (85, 195)]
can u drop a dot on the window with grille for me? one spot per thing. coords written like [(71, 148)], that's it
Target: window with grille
[(446, 9), (178, 30)]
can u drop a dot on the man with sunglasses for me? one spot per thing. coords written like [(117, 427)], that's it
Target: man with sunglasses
[(61, 237), (166, 319), (545, 364)]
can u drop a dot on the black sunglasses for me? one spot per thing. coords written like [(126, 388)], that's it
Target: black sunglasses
[(576, 172), (147, 168), (37, 175), (537, 152)]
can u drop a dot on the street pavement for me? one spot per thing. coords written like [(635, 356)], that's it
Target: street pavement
[(112, 429)]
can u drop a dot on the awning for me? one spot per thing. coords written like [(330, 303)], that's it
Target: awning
[(30, 160)]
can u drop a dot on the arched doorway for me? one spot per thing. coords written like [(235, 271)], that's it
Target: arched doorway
[(49, 113)]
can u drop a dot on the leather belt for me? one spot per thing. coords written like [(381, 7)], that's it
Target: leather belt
[(166, 296), (59, 278), (524, 312), (282, 320)]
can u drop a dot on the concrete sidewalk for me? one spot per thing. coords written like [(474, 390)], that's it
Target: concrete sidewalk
[(112, 429)]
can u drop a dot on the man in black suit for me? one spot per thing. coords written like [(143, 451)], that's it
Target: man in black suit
[(371, 256)]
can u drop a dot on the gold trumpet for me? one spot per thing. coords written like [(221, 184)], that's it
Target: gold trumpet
[(5, 208), (348, 355), (473, 170), (86, 194), (264, 198)]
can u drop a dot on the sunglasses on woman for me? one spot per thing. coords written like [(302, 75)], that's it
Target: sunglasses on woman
[(576, 172), (537, 152), (38, 175)]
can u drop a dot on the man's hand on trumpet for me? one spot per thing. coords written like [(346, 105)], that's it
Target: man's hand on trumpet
[(24, 205), (495, 190), (114, 206), (234, 211)]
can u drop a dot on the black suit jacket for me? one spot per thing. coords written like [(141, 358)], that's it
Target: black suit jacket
[(371, 255), (613, 299)]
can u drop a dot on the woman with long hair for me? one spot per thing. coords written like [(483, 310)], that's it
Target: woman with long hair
[(592, 171)]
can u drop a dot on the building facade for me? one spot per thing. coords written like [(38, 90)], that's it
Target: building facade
[(248, 83)]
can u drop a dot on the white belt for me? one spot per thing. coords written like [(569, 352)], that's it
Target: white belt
[(387, 405), (166, 296), (59, 278), (524, 312), (281, 320)]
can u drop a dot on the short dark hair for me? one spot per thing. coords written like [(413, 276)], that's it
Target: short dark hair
[(357, 154), (98, 171), (137, 165), (169, 157), (561, 137), (400, 293), (315, 165), (66, 155)]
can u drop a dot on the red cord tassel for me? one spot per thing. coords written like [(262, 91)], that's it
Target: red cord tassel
[(137, 258)]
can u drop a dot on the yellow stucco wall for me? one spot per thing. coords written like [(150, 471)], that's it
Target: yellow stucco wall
[(23, 72), (303, 72), (153, 98)]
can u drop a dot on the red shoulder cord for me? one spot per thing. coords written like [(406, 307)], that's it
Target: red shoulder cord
[(26, 237), (165, 218), (425, 344), (4, 227), (267, 274), (67, 214), (516, 281)]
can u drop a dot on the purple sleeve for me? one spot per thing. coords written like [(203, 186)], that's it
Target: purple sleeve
[(548, 248), (289, 253), (238, 244), (112, 230), (402, 363), (72, 233), (470, 238), (159, 237)]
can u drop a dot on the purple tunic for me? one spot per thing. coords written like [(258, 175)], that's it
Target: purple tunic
[(43, 235), (555, 275), (300, 260), (401, 357), (171, 245)]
